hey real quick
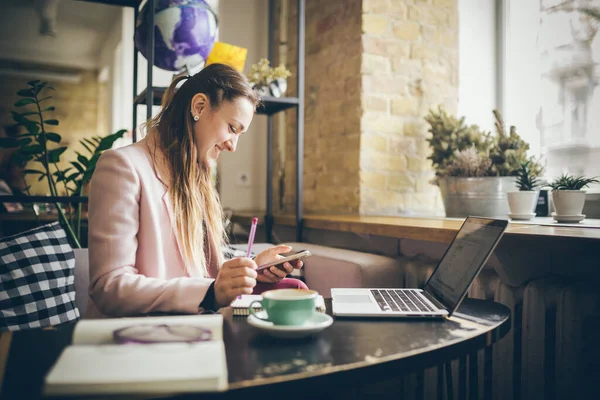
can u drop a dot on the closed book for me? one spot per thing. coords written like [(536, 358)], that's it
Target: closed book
[(241, 304), (96, 364)]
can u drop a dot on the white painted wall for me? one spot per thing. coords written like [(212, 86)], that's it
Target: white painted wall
[(477, 61), (244, 23)]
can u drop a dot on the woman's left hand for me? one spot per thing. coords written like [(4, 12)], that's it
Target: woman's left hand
[(275, 273)]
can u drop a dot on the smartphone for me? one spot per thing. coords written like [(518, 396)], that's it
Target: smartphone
[(301, 255)]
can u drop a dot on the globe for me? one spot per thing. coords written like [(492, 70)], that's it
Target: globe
[(184, 33)]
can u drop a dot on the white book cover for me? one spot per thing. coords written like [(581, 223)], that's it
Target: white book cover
[(95, 364)]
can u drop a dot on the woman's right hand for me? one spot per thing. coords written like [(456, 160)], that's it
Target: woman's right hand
[(236, 277)]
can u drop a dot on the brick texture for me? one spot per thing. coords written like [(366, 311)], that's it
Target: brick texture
[(374, 68)]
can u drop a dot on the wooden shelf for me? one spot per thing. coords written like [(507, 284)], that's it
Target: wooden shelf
[(428, 229), (120, 3), (269, 105)]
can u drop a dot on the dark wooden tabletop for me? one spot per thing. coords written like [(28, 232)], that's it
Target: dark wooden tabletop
[(351, 351)]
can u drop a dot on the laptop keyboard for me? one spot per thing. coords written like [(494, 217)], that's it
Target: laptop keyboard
[(400, 300)]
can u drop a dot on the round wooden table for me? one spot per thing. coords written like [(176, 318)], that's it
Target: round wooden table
[(341, 361)]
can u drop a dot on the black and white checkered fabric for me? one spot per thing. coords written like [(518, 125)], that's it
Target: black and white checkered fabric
[(37, 279), (230, 252)]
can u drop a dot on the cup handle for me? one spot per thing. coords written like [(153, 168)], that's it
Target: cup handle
[(251, 309)]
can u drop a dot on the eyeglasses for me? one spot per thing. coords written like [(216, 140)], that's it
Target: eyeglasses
[(155, 333)]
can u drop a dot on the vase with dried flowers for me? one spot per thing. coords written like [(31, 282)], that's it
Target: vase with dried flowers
[(269, 81)]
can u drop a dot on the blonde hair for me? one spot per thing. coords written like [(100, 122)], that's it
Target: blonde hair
[(198, 216)]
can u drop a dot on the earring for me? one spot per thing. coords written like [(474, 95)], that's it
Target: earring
[(196, 118)]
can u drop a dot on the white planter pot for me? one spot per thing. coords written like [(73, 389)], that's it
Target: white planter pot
[(523, 202), (568, 202)]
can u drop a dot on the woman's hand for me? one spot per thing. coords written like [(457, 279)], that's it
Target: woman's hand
[(235, 277), (275, 273)]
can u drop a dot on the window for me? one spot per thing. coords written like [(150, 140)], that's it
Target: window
[(552, 76)]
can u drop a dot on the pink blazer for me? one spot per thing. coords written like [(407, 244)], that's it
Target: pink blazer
[(136, 265)]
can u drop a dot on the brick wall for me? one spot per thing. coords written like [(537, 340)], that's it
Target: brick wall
[(373, 70), (332, 108), (409, 65), (76, 109)]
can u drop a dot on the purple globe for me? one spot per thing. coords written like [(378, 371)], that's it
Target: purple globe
[(184, 33)]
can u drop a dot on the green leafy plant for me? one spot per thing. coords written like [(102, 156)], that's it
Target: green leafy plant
[(528, 175), (469, 163), (40, 150), (508, 152), (449, 136), (571, 182)]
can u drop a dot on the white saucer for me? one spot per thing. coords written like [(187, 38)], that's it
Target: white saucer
[(316, 324), (568, 218), (526, 216)]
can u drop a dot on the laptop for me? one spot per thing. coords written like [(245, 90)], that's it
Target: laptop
[(446, 287)]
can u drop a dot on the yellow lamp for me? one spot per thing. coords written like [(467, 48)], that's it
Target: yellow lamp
[(225, 53)]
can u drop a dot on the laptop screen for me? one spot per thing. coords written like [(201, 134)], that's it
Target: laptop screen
[(468, 252)]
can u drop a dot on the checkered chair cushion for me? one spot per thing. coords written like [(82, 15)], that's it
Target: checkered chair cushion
[(37, 279), (230, 252)]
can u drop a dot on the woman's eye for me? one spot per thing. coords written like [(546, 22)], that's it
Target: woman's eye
[(232, 129)]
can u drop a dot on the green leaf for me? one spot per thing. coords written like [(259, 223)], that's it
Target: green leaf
[(41, 178), (51, 108), (21, 159), (25, 93), (108, 141), (9, 143), (44, 99), (24, 102), (72, 177), (78, 166), (28, 113), (84, 161), (86, 146), (33, 149), (33, 171), (53, 137), (54, 155), (51, 121), (34, 83)]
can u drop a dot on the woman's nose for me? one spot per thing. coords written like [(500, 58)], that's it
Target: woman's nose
[(231, 144)]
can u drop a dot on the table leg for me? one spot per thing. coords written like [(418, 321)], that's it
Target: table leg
[(449, 382), (420, 386), (462, 377), (487, 373), (473, 376), (440, 382)]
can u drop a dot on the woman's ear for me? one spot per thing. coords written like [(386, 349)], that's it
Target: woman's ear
[(199, 103)]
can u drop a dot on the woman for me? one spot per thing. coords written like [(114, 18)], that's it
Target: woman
[(155, 223)]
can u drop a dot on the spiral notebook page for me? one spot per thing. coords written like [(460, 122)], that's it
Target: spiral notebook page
[(240, 306)]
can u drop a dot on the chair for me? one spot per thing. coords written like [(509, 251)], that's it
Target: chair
[(82, 279)]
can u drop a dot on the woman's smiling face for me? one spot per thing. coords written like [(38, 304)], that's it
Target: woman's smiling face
[(218, 129)]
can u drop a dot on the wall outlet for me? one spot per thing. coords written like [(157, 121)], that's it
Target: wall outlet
[(243, 179)]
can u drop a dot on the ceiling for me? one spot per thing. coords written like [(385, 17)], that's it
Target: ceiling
[(81, 30)]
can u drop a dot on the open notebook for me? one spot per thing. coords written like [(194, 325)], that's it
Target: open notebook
[(240, 305), (95, 364)]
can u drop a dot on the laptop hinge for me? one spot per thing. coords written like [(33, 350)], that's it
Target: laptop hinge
[(433, 300)]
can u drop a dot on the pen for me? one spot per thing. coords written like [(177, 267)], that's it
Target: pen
[(251, 238)]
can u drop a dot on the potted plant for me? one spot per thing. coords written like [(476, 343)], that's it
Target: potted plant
[(269, 81), (522, 203), (40, 151), (568, 197), (485, 194)]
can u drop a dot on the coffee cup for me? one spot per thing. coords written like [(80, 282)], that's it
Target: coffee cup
[(286, 306)]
